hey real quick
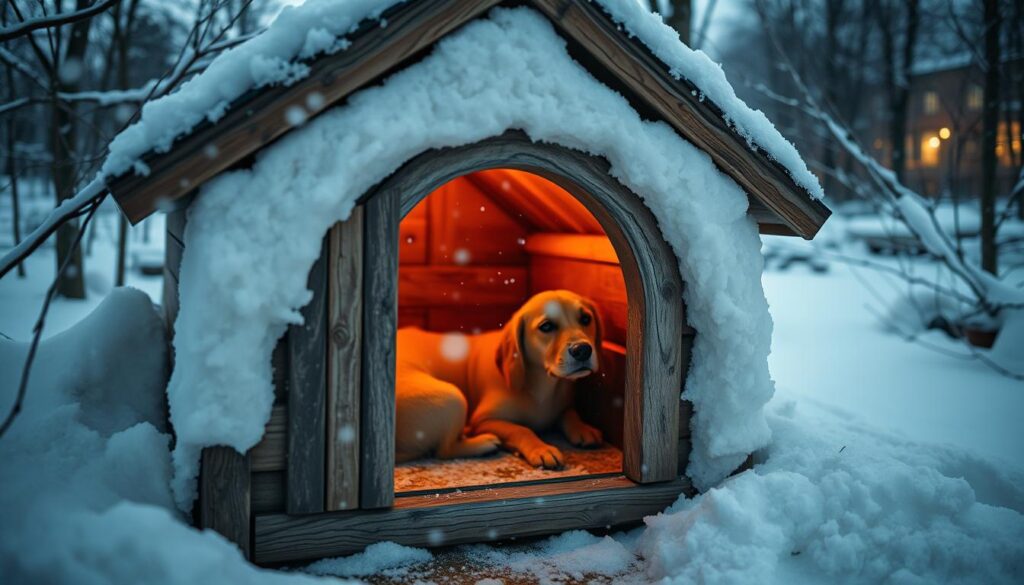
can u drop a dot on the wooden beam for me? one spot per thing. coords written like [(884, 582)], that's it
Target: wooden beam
[(380, 317), (472, 516), (688, 110), (441, 285), (307, 395), (224, 495), (344, 355), (258, 118)]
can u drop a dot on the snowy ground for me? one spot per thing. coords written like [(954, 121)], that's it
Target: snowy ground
[(891, 461)]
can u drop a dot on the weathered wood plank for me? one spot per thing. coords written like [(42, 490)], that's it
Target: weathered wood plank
[(258, 118), (307, 396), (224, 495), (380, 315), (461, 286), (345, 326), (687, 109), (270, 454), (279, 370), (268, 489), (474, 516), (656, 314)]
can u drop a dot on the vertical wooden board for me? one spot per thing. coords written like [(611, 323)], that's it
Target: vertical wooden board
[(345, 326), (412, 236), (307, 390), (600, 398), (225, 495), (380, 300)]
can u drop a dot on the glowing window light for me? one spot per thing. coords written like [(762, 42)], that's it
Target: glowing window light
[(934, 142), (944, 133)]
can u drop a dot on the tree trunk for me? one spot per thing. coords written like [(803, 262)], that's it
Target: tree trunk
[(898, 66), (63, 142), (989, 130), (12, 171), (679, 18)]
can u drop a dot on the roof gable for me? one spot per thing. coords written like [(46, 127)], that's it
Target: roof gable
[(261, 116)]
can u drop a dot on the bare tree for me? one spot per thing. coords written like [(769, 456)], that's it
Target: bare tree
[(989, 130), (898, 24)]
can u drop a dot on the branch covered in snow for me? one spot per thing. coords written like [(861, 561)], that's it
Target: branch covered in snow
[(60, 19), (93, 194)]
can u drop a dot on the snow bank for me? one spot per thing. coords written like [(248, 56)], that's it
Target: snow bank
[(244, 271), (383, 558), (85, 470), (837, 503), (319, 26)]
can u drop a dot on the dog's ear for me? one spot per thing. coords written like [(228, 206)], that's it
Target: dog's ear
[(511, 354), (598, 324)]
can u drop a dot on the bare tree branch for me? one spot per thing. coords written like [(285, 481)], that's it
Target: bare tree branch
[(60, 19)]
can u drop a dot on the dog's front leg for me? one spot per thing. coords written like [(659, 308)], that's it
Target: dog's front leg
[(523, 441), (578, 432)]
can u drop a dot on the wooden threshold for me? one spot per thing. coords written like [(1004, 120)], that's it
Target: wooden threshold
[(463, 517)]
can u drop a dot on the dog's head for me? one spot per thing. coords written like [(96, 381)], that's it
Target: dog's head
[(557, 330)]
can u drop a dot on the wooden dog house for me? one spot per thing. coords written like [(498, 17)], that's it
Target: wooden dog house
[(322, 481)]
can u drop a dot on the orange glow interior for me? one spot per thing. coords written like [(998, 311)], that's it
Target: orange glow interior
[(477, 247)]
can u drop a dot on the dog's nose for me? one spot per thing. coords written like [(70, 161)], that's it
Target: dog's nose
[(581, 351)]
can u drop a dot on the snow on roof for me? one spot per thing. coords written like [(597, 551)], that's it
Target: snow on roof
[(319, 27)]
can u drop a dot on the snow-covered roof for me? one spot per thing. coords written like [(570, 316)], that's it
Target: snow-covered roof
[(314, 55)]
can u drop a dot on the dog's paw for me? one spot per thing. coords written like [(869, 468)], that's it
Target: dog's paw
[(545, 456), (584, 435), (485, 442)]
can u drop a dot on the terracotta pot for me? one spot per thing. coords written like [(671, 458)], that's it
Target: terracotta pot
[(980, 337)]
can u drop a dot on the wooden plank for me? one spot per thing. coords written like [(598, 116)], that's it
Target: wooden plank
[(345, 323), (307, 397), (469, 319), (270, 454), (466, 227), (686, 108), (462, 286), (279, 370), (600, 398), (176, 222), (224, 495), (655, 312), (412, 237), (457, 518), (268, 490), (377, 398), (590, 247), (258, 118)]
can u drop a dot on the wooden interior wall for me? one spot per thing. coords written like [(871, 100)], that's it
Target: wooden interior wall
[(462, 263), (475, 249)]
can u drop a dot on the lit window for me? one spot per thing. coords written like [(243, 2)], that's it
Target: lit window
[(975, 97), (931, 102), (930, 145)]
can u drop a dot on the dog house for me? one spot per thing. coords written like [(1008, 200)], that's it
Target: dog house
[(322, 481)]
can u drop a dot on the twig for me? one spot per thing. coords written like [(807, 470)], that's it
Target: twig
[(37, 330), (60, 19)]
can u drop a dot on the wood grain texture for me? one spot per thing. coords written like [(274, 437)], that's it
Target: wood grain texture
[(380, 316), (258, 118), (279, 370), (344, 356), (655, 312), (268, 489), (475, 516), (307, 396), (688, 110), (461, 286), (224, 495), (271, 453)]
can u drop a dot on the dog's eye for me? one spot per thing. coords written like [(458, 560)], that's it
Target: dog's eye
[(584, 319), (547, 326)]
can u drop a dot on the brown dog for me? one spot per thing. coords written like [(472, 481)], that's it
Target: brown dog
[(512, 383)]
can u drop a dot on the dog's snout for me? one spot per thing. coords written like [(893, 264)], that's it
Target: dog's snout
[(581, 351)]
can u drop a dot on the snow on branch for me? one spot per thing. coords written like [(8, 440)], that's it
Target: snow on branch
[(91, 194), (60, 19)]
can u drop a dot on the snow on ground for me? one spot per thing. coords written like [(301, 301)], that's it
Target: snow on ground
[(889, 463)]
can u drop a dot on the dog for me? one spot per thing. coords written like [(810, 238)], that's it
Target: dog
[(512, 383)]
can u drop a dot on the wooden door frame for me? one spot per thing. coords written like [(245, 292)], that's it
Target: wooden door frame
[(656, 312)]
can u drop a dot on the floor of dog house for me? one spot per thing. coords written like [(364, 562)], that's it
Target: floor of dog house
[(504, 467)]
